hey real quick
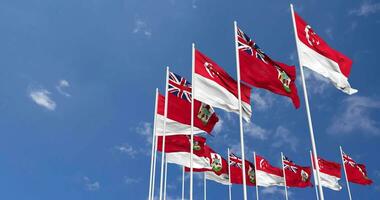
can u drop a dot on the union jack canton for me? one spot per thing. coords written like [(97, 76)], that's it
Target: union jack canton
[(179, 86)]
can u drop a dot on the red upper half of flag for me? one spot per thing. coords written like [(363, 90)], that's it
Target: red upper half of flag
[(207, 68), (263, 165), (356, 173), (309, 38), (259, 70), (296, 176), (181, 143), (179, 110), (236, 168), (329, 167)]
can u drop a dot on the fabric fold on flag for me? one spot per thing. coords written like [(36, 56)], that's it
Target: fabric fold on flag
[(330, 174), (259, 70), (315, 54), (267, 175), (217, 88), (236, 167), (356, 173), (295, 175)]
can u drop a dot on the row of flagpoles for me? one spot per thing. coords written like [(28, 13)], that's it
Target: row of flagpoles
[(186, 109)]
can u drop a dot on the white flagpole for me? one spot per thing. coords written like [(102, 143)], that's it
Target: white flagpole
[(315, 155), (283, 171), (315, 180), (183, 183), (166, 177), (345, 172), (229, 175), (192, 120), (240, 113), (257, 186), (164, 133), (152, 160), (204, 186)]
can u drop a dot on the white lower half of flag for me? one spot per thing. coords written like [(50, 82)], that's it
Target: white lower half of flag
[(222, 179), (173, 127), (219, 97), (266, 179), (331, 182), (324, 66), (183, 158)]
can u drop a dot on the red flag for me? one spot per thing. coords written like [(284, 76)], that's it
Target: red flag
[(217, 88), (356, 173), (236, 167), (266, 174), (259, 70), (315, 54), (330, 174), (295, 175)]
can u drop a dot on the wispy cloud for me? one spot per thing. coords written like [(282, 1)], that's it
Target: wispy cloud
[(329, 32), (262, 100), (130, 180), (194, 4), (219, 126), (62, 85), (366, 8), (91, 185), (41, 97), (274, 191), (283, 137), (316, 83), (145, 129), (356, 116), (141, 27), (256, 131), (127, 149)]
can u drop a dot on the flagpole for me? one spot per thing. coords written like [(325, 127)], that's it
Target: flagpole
[(166, 176), (283, 171), (192, 121), (314, 148), (229, 175), (164, 133), (345, 173), (240, 113), (183, 182), (204, 186), (257, 186), (152, 160), (315, 180)]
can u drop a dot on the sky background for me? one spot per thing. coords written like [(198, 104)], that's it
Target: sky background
[(77, 86)]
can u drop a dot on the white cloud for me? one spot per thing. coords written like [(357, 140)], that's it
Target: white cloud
[(141, 27), (91, 185), (127, 149), (62, 84), (274, 191), (146, 130), (262, 100), (329, 32), (129, 180), (41, 97), (356, 116), (256, 131), (316, 84), (194, 4), (219, 126), (283, 137), (366, 8)]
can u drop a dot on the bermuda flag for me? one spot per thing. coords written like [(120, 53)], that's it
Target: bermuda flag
[(179, 110), (217, 88), (317, 55), (259, 70), (217, 170), (330, 174), (356, 173), (236, 168), (267, 175), (295, 175), (177, 150)]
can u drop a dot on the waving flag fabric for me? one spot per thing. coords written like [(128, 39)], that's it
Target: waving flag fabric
[(267, 175), (217, 88), (177, 150), (330, 174), (236, 168), (317, 55), (259, 70), (295, 175), (356, 173)]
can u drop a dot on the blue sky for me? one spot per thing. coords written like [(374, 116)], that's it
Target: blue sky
[(78, 77)]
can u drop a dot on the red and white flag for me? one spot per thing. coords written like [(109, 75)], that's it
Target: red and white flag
[(236, 168), (330, 174), (177, 150), (217, 170), (315, 54), (259, 70), (179, 110), (356, 173), (217, 88), (267, 175), (295, 175)]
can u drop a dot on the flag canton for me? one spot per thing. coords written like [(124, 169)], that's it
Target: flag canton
[(246, 44), (289, 165), (179, 86), (235, 161), (348, 160)]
